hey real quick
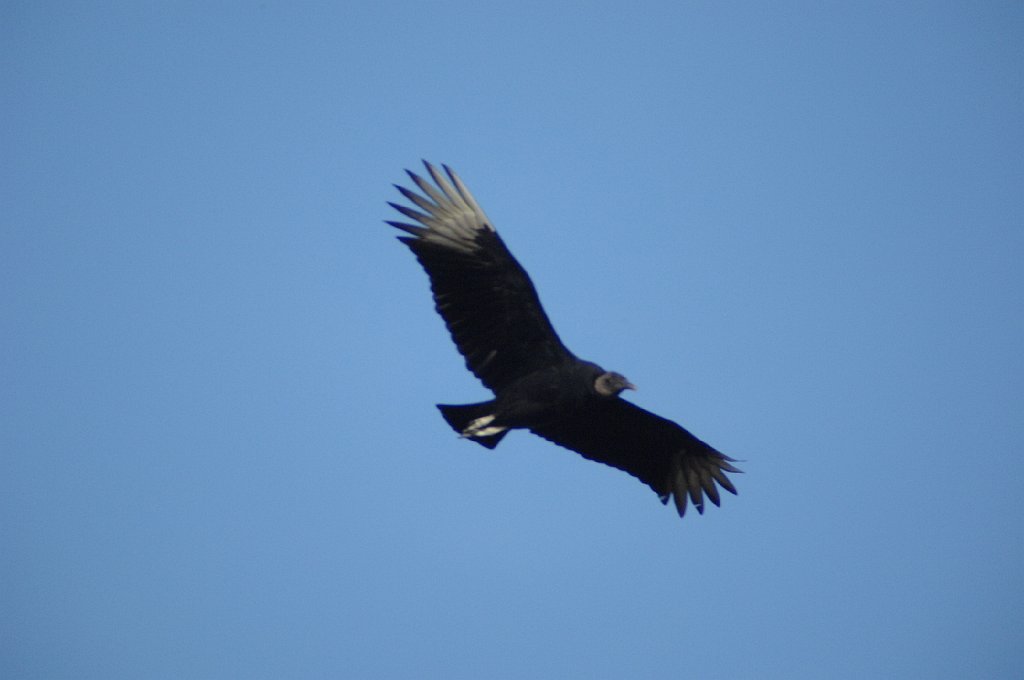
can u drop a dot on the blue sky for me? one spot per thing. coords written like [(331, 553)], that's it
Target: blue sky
[(797, 227)]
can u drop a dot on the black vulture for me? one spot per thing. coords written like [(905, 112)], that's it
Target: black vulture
[(495, 318)]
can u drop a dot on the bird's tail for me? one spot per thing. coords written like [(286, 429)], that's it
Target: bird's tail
[(473, 421)]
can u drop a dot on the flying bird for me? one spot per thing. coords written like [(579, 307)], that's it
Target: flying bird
[(494, 316)]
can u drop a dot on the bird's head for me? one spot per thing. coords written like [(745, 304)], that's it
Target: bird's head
[(610, 384)]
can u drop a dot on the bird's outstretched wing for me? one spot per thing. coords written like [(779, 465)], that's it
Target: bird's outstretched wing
[(656, 451), (483, 294)]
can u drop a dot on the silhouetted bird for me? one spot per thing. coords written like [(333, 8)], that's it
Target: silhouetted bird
[(496, 320)]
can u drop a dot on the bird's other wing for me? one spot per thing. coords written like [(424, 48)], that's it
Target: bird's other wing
[(656, 451), (483, 294)]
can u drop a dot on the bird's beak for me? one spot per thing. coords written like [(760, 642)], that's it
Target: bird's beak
[(630, 386)]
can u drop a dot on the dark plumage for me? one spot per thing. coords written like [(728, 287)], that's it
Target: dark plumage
[(496, 320)]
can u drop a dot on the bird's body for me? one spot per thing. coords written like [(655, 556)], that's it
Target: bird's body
[(497, 322), (537, 399)]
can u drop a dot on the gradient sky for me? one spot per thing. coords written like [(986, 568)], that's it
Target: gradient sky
[(797, 227)]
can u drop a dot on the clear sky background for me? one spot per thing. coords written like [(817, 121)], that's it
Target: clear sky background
[(797, 227)]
